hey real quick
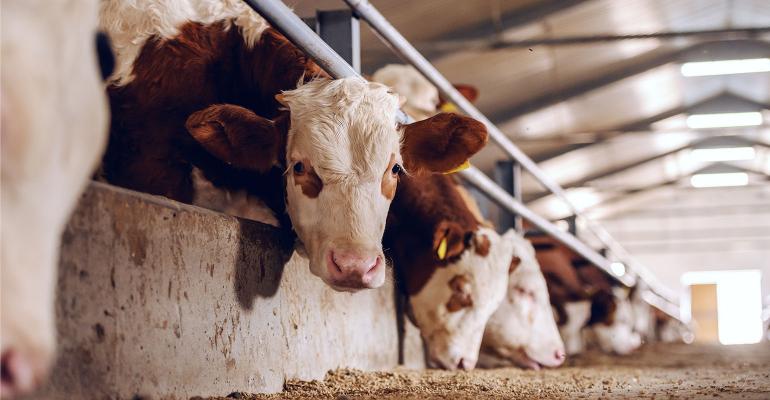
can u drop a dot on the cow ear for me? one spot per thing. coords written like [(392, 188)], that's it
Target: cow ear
[(237, 136), (468, 91), (441, 143), (449, 240)]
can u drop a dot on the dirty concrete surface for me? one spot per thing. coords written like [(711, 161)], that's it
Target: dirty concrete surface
[(658, 371)]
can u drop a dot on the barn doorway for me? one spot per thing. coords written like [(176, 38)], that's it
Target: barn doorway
[(726, 306)]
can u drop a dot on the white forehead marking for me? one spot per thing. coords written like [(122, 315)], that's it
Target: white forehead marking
[(346, 127)]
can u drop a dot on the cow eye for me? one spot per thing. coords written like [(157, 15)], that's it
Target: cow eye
[(299, 168), (396, 170)]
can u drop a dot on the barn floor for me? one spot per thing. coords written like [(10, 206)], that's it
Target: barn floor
[(655, 372)]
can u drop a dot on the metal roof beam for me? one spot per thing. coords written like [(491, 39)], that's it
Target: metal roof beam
[(616, 170), (489, 31), (638, 65), (722, 101)]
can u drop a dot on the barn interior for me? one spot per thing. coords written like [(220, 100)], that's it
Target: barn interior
[(652, 116)]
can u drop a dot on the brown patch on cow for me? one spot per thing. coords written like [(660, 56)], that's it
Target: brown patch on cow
[(603, 306), (425, 210), (149, 148), (571, 277), (441, 143), (461, 293), (389, 180), (472, 205), (481, 245), (308, 180), (515, 262)]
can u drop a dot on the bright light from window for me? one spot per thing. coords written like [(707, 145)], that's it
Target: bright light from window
[(618, 268), (719, 180), (724, 120), (725, 67), (723, 154), (739, 303)]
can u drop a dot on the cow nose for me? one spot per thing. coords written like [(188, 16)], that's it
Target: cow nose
[(352, 269), (19, 374), (560, 356)]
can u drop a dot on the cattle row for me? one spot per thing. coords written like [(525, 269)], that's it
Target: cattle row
[(211, 106)]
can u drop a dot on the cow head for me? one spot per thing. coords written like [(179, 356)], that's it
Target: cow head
[(453, 307), (616, 334), (421, 98), (343, 152), (575, 317), (523, 329), (54, 120)]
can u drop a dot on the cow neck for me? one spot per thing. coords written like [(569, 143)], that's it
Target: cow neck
[(420, 204)]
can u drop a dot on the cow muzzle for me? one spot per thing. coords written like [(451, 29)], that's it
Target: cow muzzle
[(352, 269), (22, 372)]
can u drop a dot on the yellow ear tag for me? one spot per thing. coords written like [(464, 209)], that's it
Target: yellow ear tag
[(465, 165), (441, 252), (448, 107)]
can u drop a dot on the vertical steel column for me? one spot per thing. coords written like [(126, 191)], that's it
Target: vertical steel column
[(507, 174), (342, 32), (516, 185), (572, 225)]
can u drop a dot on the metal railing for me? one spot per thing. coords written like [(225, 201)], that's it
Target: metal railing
[(284, 19)]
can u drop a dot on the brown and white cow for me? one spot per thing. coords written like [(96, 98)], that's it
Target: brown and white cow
[(523, 331), (206, 89), (53, 130), (583, 296), (421, 98), (452, 268)]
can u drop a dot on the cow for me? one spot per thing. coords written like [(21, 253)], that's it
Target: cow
[(206, 89), (53, 130), (642, 312), (570, 302), (523, 330), (452, 268), (586, 299), (421, 99), (670, 330)]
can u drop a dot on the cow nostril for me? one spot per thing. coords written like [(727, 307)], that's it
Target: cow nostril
[(560, 355), (336, 264), (373, 266), (16, 373), (5, 373), (461, 364)]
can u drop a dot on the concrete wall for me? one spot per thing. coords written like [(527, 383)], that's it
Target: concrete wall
[(164, 300)]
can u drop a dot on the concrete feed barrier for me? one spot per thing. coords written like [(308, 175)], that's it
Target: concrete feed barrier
[(162, 300)]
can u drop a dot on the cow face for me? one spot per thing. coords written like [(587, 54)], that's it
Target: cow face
[(576, 316), (54, 120), (453, 307), (343, 152), (523, 329), (618, 336)]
